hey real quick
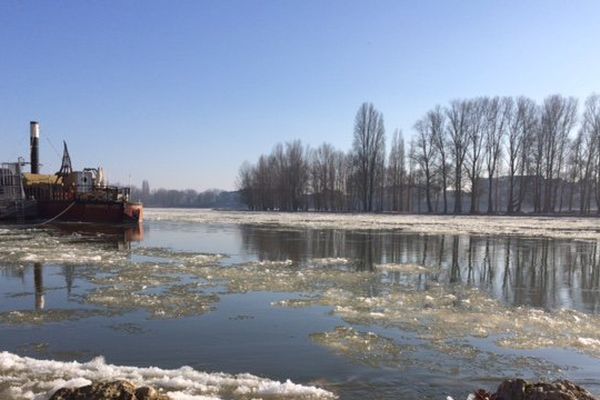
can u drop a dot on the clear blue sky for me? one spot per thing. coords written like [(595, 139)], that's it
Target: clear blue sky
[(182, 92)]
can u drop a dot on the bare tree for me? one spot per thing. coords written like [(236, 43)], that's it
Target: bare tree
[(295, 175), (322, 176), (522, 122), (424, 155), (559, 115), (245, 185), (266, 191), (340, 162), (496, 120), (437, 124), (575, 167), (476, 122), (590, 131), (458, 114), (369, 152), (396, 171)]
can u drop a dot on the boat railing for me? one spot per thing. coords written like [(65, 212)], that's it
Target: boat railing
[(105, 193), (58, 192)]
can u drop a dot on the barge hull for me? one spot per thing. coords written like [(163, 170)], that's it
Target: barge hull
[(99, 212)]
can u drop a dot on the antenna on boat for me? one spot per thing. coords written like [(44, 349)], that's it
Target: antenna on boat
[(66, 168)]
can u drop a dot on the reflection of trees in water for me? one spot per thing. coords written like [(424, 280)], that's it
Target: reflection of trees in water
[(69, 273), (547, 273), (455, 268), (13, 271)]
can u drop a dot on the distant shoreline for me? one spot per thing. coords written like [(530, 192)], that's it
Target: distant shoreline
[(593, 215), (540, 226)]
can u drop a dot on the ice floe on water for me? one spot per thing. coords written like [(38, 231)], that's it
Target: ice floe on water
[(183, 284), (273, 263), (165, 283), (377, 351), (34, 317), (557, 227), (24, 378), (406, 268), (41, 246), (170, 256), (365, 348), (329, 261), (442, 314), (119, 285), (175, 301)]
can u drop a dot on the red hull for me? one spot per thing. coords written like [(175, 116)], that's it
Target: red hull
[(84, 211)]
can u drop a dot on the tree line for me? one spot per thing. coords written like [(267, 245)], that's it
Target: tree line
[(485, 154), (189, 198)]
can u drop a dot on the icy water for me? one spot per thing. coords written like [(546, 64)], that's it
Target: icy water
[(376, 314)]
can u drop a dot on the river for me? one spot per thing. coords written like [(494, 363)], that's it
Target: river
[(348, 313)]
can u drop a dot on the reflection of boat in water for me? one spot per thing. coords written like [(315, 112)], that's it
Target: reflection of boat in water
[(82, 196), (118, 236), (38, 279)]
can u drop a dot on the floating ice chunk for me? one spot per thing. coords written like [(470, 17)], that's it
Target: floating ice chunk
[(274, 263), (329, 261), (185, 396), (588, 341), (31, 317), (365, 348), (405, 268)]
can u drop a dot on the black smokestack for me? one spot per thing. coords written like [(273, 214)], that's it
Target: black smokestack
[(34, 128)]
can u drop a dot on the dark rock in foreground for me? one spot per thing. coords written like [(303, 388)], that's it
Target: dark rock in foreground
[(519, 389), (117, 390)]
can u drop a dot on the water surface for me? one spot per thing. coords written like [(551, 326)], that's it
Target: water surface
[(272, 301)]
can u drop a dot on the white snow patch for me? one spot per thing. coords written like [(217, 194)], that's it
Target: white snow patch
[(32, 379)]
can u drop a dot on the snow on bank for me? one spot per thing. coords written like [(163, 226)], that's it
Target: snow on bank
[(563, 227), (24, 378)]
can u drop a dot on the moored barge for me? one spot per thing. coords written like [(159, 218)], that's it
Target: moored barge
[(67, 195)]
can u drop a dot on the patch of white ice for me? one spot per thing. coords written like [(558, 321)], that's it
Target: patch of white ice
[(24, 378), (404, 268)]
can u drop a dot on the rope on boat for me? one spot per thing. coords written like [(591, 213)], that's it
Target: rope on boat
[(59, 215)]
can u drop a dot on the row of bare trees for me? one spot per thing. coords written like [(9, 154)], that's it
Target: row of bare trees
[(486, 154)]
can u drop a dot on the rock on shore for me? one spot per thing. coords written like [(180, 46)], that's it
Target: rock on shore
[(518, 389), (117, 390)]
